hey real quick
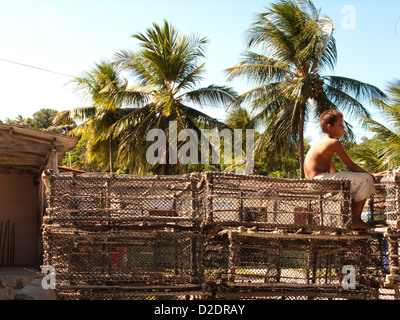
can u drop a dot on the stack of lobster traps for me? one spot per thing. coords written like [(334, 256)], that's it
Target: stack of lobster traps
[(383, 212), (282, 238), (217, 236), (123, 237)]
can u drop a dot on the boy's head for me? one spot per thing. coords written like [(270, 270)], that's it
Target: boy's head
[(329, 117)]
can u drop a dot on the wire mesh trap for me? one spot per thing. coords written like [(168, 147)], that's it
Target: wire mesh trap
[(216, 236), (275, 265), (93, 199), (384, 205), (238, 200), (130, 263)]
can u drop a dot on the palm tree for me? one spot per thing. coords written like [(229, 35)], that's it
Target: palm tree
[(239, 118), (387, 136), (367, 155), (297, 44), (166, 72), (97, 118), (18, 120)]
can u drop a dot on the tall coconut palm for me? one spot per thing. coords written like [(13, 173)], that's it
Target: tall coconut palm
[(166, 72), (296, 45), (100, 115)]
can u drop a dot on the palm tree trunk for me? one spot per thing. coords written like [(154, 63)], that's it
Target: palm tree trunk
[(301, 142), (179, 167), (164, 167), (111, 155)]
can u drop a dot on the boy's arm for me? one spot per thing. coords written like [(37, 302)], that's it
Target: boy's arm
[(339, 149), (333, 168)]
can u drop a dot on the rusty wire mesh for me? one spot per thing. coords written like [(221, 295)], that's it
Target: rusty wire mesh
[(92, 199), (248, 264), (234, 200), (122, 263), (213, 236), (385, 204)]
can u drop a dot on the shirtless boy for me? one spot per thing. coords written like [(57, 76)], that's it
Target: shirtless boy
[(318, 164)]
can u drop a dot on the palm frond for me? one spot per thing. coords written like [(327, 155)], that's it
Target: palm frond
[(359, 90), (382, 131), (213, 95), (259, 68), (239, 118), (344, 101), (199, 118), (79, 114)]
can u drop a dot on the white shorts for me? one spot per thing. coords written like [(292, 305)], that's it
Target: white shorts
[(362, 184)]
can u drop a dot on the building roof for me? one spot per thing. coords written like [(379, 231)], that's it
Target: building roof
[(26, 151), (67, 169)]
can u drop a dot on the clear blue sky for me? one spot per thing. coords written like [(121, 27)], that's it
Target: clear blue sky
[(69, 36)]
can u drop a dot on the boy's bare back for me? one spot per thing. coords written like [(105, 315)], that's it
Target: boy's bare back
[(320, 157)]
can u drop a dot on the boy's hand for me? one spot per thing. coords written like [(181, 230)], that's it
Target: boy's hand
[(379, 174)]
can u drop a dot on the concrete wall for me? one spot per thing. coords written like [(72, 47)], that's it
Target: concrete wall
[(18, 204)]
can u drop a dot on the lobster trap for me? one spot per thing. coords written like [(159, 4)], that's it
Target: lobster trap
[(384, 205), (247, 264), (123, 236), (92, 199), (259, 201), (124, 264), (217, 236)]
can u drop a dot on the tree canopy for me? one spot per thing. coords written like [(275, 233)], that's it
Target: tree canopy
[(290, 48)]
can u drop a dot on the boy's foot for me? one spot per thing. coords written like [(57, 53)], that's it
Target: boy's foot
[(360, 226)]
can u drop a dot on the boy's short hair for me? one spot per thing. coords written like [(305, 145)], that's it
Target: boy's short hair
[(329, 117)]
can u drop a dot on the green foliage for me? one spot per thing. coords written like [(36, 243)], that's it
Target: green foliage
[(385, 149), (41, 119), (284, 166), (76, 158), (289, 48), (292, 45), (166, 72)]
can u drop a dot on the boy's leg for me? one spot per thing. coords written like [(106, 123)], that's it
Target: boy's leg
[(357, 208)]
